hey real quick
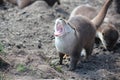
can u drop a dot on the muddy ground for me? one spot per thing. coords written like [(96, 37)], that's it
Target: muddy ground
[(27, 43)]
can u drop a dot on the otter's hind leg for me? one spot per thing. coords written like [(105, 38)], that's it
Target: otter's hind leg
[(61, 58), (89, 49)]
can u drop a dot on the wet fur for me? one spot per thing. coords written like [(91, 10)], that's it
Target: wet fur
[(83, 37)]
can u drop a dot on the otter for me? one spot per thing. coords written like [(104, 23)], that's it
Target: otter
[(77, 33), (107, 32)]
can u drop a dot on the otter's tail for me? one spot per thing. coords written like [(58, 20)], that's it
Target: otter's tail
[(97, 21)]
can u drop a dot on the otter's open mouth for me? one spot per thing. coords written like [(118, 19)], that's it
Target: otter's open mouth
[(59, 30)]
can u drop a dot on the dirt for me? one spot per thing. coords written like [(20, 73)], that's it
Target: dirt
[(28, 44)]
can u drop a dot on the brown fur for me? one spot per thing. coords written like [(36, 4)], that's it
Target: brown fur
[(79, 34), (107, 29), (85, 10), (110, 35), (97, 20)]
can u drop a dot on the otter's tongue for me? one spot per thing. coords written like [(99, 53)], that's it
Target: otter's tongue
[(59, 30)]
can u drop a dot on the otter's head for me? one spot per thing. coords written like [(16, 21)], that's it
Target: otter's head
[(110, 36), (62, 28)]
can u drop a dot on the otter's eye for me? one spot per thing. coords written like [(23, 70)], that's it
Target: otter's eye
[(103, 34), (61, 19)]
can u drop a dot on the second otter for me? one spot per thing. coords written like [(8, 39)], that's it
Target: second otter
[(107, 32)]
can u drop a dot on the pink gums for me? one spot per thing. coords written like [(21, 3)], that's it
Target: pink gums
[(59, 30)]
